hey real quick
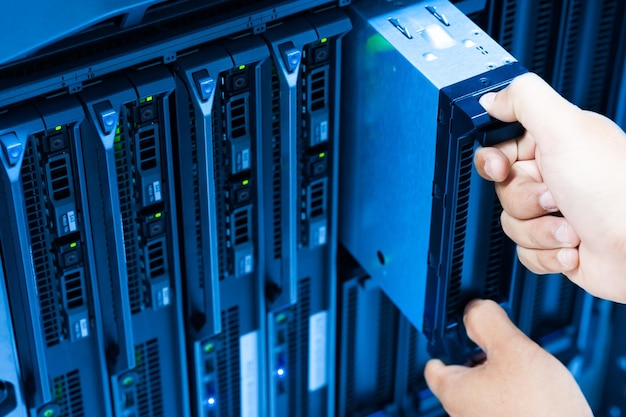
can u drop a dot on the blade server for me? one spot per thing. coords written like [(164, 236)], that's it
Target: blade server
[(230, 208)]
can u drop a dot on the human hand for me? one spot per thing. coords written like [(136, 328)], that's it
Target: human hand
[(518, 378), (569, 161)]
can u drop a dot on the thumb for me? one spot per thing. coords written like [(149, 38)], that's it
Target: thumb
[(443, 380), (488, 325), (529, 99)]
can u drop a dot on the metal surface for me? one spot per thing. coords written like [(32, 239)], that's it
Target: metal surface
[(389, 135)]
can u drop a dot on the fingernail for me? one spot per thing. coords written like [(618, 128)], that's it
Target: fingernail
[(561, 233), (547, 201), (486, 100), (488, 170), (566, 258)]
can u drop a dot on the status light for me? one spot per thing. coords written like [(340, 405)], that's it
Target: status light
[(245, 182), (73, 244), (158, 215), (280, 372), (211, 401), (149, 98), (58, 128), (322, 154), (209, 347), (242, 67), (323, 40)]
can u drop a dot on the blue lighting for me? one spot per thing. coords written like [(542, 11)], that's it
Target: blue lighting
[(211, 401), (280, 372)]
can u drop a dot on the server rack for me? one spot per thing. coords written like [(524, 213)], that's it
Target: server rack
[(219, 141), (130, 148), (53, 286), (300, 186), (367, 353)]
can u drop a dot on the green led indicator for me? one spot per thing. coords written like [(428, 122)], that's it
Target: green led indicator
[(281, 318), (142, 100), (117, 131), (323, 40), (149, 98), (73, 244), (117, 139), (242, 67), (128, 381), (209, 347), (58, 128), (48, 413), (322, 154), (245, 182), (158, 215), (118, 146)]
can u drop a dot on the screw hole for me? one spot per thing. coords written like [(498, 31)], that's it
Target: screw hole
[(381, 257)]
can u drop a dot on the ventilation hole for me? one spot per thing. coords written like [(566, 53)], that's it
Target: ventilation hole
[(149, 387), (125, 185), (238, 116), (381, 257), (276, 167), (36, 214), (147, 140), (156, 259)]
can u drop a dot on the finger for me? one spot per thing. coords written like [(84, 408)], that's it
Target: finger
[(523, 194), (548, 261), (488, 325), (444, 381), (528, 99), (493, 164), (545, 232)]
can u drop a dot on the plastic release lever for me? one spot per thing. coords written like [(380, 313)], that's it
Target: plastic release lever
[(487, 130)]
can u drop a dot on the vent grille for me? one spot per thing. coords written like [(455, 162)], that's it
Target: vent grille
[(125, 184), (603, 55), (67, 394), (241, 226), (238, 116), (149, 389), (496, 253), (317, 98), (386, 350), (350, 349), (571, 48), (542, 30), (460, 221), (545, 322), (37, 222), (298, 351), (147, 140), (229, 378), (73, 289), (276, 166), (219, 168), (414, 376), (59, 178), (193, 140), (156, 259), (317, 199), (507, 31)]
